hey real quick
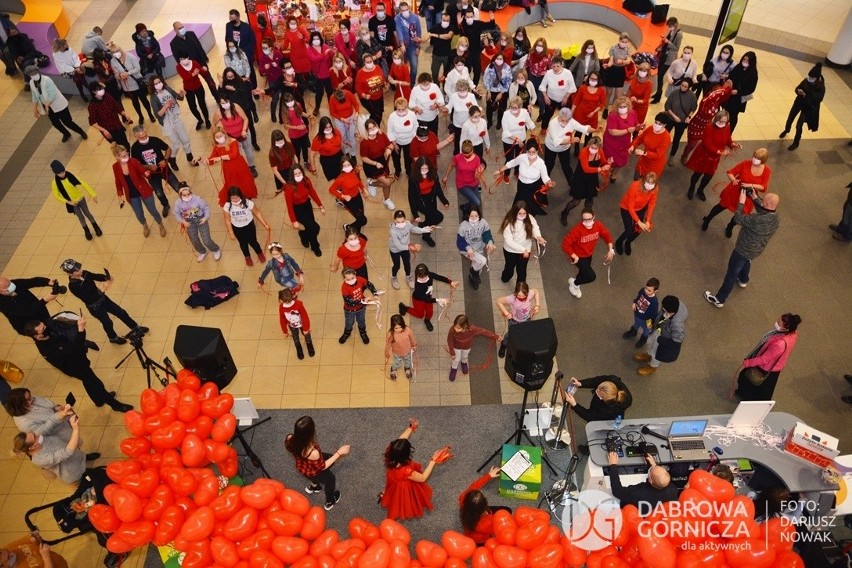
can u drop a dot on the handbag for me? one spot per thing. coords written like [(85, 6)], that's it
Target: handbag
[(11, 372), (756, 375)]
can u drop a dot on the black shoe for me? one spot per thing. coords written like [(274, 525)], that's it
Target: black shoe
[(619, 249), (364, 337), (141, 120), (690, 194), (117, 340), (642, 341), (299, 353), (310, 345), (66, 137), (165, 211), (207, 124), (784, 133), (836, 229), (627, 248), (199, 125), (428, 324), (88, 233), (190, 157), (120, 406), (90, 457), (630, 333), (141, 329), (317, 251), (502, 351), (794, 145), (98, 232), (92, 345), (656, 100), (605, 113), (701, 195), (729, 231), (330, 505), (256, 147), (429, 240), (84, 136), (473, 278), (563, 217), (705, 223), (253, 171), (344, 337), (403, 309), (173, 164)]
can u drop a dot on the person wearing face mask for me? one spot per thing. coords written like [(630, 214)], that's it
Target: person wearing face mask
[(186, 44), (809, 95), (399, 75), (587, 103), (281, 155), (426, 144), (298, 194), (344, 108), (458, 108), (340, 75), (585, 183), (680, 69), (532, 175), (667, 338), (295, 47), (475, 130), (755, 232), (328, 145), (47, 100), (154, 155), (20, 305), (769, 357), (370, 86), (459, 72), (716, 70), (236, 60), (131, 185), (383, 28), (562, 133), (522, 88), (354, 306), (232, 118), (321, 57), (667, 53), (749, 174), (235, 168), (744, 83), (350, 190), (128, 72), (424, 192), (517, 307), (537, 65), (497, 80), (613, 71), (400, 247), (579, 244), (71, 192), (651, 145), (409, 36), (271, 63), (148, 49), (352, 253), (637, 209), (475, 242), (521, 48), (423, 298), (704, 117), (681, 104), (240, 214), (639, 91), (586, 62), (366, 44), (164, 103), (345, 40), (375, 151), (518, 229), (106, 115), (516, 123), (715, 144), (296, 121), (293, 84), (440, 38), (193, 213), (189, 72), (67, 62), (58, 458), (402, 127), (473, 28), (240, 93), (469, 170), (556, 89), (241, 34), (104, 73)]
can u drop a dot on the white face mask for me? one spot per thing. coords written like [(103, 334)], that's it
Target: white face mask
[(723, 56), (515, 111), (658, 128), (462, 48), (338, 65), (280, 143), (316, 42), (267, 51), (405, 13), (36, 77), (373, 132), (539, 48), (721, 124), (12, 288), (460, 68), (144, 141), (125, 159), (474, 119), (473, 221), (590, 50), (117, 54), (380, 14), (353, 244), (643, 73), (445, 25), (589, 224), (468, 21), (350, 282), (399, 224), (369, 66), (298, 177), (424, 172), (347, 168), (650, 185), (185, 198), (687, 56), (744, 64), (756, 161), (521, 81), (290, 104), (397, 61), (499, 62), (40, 438), (100, 93), (186, 64), (593, 83), (593, 151), (622, 111), (520, 217), (158, 86), (365, 38), (293, 26), (778, 327), (233, 49), (220, 139), (226, 106), (344, 31), (328, 132)]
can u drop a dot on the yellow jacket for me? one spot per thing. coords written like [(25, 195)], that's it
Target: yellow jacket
[(73, 191)]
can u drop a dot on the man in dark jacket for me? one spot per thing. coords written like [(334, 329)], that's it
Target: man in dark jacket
[(646, 495), (64, 346), (472, 29), (148, 50), (21, 50), (6, 25), (20, 305), (187, 43), (241, 33), (843, 230), (667, 337)]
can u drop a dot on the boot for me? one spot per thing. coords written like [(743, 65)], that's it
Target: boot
[(162, 230), (146, 230), (299, 353), (344, 337), (705, 223), (403, 309), (173, 164), (88, 233), (630, 333), (364, 337), (691, 193), (309, 343), (97, 229), (729, 230), (249, 261), (473, 278)]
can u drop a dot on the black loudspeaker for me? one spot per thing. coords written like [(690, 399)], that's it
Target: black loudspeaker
[(529, 355), (660, 14), (203, 350), (638, 6)]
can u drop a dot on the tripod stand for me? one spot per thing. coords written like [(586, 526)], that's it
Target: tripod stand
[(149, 364), (249, 453), (517, 435)]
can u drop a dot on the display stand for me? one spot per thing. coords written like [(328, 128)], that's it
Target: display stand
[(246, 413)]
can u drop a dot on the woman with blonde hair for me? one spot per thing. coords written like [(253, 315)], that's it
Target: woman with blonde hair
[(235, 168), (68, 64), (621, 124), (639, 91), (611, 398), (749, 174)]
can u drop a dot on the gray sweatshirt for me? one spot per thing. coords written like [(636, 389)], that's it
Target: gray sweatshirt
[(756, 230), (54, 456), (42, 419), (192, 211), (400, 237)]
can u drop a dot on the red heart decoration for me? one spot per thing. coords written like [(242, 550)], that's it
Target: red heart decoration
[(188, 406), (241, 524), (482, 134), (160, 500), (561, 83), (142, 484), (468, 105), (258, 496), (186, 379), (522, 123), (135, 423), (168, 437), (432, 96), (127, 505), (120, 469), (198, 525), (260, 540), (135, 447), (168, 525), (407, 123), (165, 417), (104, 519), (207, 491), (137, 533), (224, 428), (283, 523), (150, 402), (218, 406), (227, 503)]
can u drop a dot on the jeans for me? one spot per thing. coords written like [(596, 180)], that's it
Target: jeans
[(471, 194), (136, 205), (402, 360), (738, 269), (350, 318), (653, 344), (101, 311), (403, 257), (347, 132), (199, 236), (640, 322), (411, 56), (81, 210), (156, 181)]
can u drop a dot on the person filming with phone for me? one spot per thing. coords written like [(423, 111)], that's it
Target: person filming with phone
[(611, 399)]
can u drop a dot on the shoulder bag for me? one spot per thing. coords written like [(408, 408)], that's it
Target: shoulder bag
[(756, 375)]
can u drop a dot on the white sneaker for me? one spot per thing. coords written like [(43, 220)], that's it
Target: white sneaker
[(389, 204), (217, 255), (574, 289), (201, 256), (410, 281), (742, 284), (395, 282), (371, 189)]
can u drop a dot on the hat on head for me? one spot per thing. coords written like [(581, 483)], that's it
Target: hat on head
[(70, 265), (140, 27), (422, 131), (31, 70), (671, 304), (57, 167), (816, 71)]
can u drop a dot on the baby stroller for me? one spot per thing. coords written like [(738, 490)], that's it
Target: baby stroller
[(71, 513)]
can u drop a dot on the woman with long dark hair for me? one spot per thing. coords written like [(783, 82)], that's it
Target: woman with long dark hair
[(424, 191), (271, 64), (763, 365), (320, 56), (586, 183), (349, 190), (518, 229), (328, 145), (637, 209), (281, 154), (298, 193), (312, 462), (239, 215), (296, 121), (239, 91), (375, 150), (232, 118), (744, 79), (477, 517)]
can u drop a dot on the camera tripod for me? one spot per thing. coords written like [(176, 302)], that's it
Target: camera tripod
[(151, 366)]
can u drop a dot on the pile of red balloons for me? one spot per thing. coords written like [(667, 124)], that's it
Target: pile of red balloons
[(167, 493)]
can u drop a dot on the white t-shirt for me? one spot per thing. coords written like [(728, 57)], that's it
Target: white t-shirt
[(529, 172), (556, 133), (402, 129), (425, 100), (558, 86), (460, 107), (476, 133), (240, 216), (516, 126)]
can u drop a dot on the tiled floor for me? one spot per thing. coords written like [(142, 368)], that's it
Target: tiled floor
[(153, 275)]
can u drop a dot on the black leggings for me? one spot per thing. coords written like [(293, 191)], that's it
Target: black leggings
[(300, 146), (629, 235), (355, 206), (514, 261), (247, 237), (305, 215), (322, 85), (196, 102), (405, 258), (718, 208), (327, 480), (374, 108), (586, 273), (564, 158), (331, 165), (705, 180), (405, 150), (136, 97)]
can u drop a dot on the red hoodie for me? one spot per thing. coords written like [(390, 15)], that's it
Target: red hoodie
[(581, 241)]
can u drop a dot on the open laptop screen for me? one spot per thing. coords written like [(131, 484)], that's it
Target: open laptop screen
[(688, 428)]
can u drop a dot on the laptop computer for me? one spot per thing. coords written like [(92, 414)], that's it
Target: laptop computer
[(686, 440)]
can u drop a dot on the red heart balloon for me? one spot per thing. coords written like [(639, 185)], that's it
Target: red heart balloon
[(104, 519), (430, 554), (171, 458), (168, 437), (378, 555), (482, 559), (532, 534), (119, 469), (713, 487), (207, 491), (226, 504), (135, 447), (504, 527), (289, 549), (657, 551), (201, 427), (142, 484), (118, 545), (224, 551), (750, 553), (400, 556), (165, 417), (295, 502), (214, 408), (230, 466), (215, 451), (322, 544), (171, 395), (342, 547), (510, 556), (264, 559), (186, 379), (193, 453), (150, 402), (458, 545), (314, 523), (241, 524), (188, 406), (524, 515), (198, 555), (198, 525), (546, 556), (224, 428), (283, 523), (392, 530), (127, 505), (161, 498), (137, 533), (207, 391), (134, 421), (260, 540)]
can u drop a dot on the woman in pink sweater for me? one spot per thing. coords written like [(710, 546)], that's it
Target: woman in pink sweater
[(401, 344), (460, 341), (769, 356)]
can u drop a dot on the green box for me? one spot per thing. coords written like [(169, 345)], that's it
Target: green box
[(528, 485)]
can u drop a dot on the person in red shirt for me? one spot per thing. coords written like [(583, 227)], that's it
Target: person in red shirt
[(585, 182), (400, 75), (354, 304), (460, 341), (296, 120), (328, 145), (295, 47), (370, 85), (352, 253), (639, 91), (426, 144), (131, 185), (715, 144), (587, 103), (312, 462), (281, 154), (235, 169), (477, 517), (753, 174), (349, 190), (340, 74), (294, 318), (579, 245), (190, 72), (344, 108), (376, 149), (298, 193), (320, 56), (637, 209), (651, 146)]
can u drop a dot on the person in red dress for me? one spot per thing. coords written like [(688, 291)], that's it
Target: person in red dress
[(352, 253), (639, 91), (400, 75), (477, 517), (651, 146), (587, 103), (235, 169), (407, 492), (754, 174), (704, 160), (295, 47), (312, 462)]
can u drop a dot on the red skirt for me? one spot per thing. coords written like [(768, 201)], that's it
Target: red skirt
[(403, 498), (703, 162)]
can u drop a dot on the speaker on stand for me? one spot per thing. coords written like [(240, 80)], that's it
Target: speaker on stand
[(203, 349)]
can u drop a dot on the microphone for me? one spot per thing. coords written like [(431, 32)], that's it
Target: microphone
[(649, 432)]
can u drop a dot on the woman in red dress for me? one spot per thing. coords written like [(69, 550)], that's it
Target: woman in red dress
[(754, 174), (295, 48), (235, 169), (639, 91), (715, 144), (587, 104), (406, 492), (477, 517)]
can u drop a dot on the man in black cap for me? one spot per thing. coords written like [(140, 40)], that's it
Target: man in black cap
[(81, 283), (19, 305), (64, 346), (70, 191)]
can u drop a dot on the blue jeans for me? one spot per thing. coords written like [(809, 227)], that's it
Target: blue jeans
[(136, 205), (411, 56), (640, 322), (351, 317), (404, 361), (156, 181), (471, 194), (738, 269)]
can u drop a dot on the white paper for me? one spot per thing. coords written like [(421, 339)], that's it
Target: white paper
[(516, 465)]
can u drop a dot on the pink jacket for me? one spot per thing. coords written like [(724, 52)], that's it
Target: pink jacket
[(320, 60), (773, 355)]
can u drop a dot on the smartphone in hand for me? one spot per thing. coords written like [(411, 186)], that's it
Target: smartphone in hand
[(70, 399)]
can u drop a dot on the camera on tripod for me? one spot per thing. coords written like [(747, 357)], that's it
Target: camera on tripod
[(58, 288), (135, 337)]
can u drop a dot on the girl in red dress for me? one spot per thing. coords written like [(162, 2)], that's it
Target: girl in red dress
[(235, 169), (754, 174), (400, 75), (715, 144), (312, 462), (406, 492), (587, 103), (477, 517)]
